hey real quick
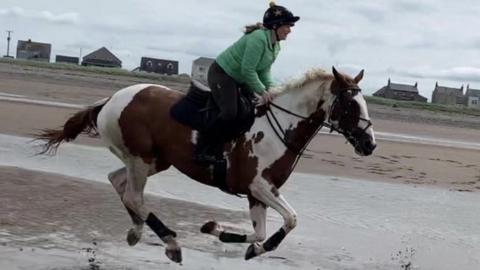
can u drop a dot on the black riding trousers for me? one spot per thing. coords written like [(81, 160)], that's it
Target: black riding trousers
[(225, 92)]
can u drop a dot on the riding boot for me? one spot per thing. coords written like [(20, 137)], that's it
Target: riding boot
[(203, 152), (210, 143)]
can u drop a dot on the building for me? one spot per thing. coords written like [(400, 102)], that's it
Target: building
[(200, 68), (160, 66), (66, 59), (472, 97), (101, 58), (400, 92), (448, 95), (30, 50)]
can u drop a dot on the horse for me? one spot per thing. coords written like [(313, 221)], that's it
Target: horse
[(135, 125)]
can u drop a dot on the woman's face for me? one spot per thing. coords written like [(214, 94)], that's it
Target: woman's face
[(283, 31)]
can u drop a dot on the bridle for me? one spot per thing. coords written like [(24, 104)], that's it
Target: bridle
[(298, 151), (346, 133)]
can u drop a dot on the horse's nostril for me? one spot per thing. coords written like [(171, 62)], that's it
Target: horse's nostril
[(369, 146)]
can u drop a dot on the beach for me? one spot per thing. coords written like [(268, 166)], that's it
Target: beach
[(39, 206)]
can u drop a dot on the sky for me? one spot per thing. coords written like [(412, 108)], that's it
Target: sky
[(408, 41)]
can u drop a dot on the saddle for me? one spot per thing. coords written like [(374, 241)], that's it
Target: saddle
[(199, 111)]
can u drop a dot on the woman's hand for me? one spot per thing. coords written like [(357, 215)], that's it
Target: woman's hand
[(265, 98)]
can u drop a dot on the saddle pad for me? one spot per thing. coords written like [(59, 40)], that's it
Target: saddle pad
[(191, 110)]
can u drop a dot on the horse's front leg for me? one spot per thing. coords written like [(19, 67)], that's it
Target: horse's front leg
[(267, 193), (258, 215)]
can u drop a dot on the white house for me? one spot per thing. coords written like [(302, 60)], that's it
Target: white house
[(200, 68), (472, 97)]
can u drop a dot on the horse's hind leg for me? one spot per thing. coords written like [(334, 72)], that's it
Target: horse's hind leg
[(258, 215), (137, 173), (118, 179)]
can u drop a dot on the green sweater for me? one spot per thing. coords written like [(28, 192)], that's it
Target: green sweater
[(248, 60)]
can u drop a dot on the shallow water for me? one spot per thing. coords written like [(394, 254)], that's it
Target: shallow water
[(342, 223)]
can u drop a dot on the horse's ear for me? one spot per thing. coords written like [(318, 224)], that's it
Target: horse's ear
[(359, 77), (337, 75)]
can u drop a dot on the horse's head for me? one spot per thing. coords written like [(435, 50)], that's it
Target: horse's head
[(348, 113), (324, 98)]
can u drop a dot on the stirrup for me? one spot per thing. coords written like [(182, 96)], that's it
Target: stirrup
[(204, 158)]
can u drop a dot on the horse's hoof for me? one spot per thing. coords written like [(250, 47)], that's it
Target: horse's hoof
[(174, 254), (208, 227), (133, 237), (250, 252)]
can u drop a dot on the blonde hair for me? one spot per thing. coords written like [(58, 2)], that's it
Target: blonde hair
[(311, 75)]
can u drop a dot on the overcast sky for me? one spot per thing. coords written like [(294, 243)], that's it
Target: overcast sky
[(408, 41)]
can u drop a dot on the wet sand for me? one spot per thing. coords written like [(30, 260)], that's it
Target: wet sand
[(43, 211)]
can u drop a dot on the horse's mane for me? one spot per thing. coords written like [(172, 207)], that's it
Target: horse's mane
[(311, 75)]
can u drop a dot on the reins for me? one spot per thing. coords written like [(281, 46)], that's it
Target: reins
[(282, 135)]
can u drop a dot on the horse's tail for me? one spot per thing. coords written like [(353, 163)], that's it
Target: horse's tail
[(84, 121)]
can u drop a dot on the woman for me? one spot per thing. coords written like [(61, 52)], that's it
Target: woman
[(245, 64)]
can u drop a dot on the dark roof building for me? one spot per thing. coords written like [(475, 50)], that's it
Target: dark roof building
[(101, 58), (448, 95), (160, 66), (400, 92), (67, 59), (472, 97), (30, 50)]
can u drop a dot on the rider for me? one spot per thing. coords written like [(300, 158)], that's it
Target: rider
[(247, 64)]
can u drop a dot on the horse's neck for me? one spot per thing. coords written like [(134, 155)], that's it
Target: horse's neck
[(297, 131), (301, 102), (272, 149)]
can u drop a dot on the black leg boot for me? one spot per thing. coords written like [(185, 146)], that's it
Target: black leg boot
[(204, 152)]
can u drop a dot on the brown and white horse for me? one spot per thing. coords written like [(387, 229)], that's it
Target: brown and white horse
[(136, 126)]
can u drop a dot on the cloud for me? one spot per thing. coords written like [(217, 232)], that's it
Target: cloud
[(424, 40), (460, 74), (68, 18), (373, 13), (14, 12), (65, 18), (350, 69), (190, 46), (337, 44), (413, 6), (446, 44)]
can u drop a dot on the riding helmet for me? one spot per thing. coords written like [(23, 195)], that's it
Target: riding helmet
[(276, 16)]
